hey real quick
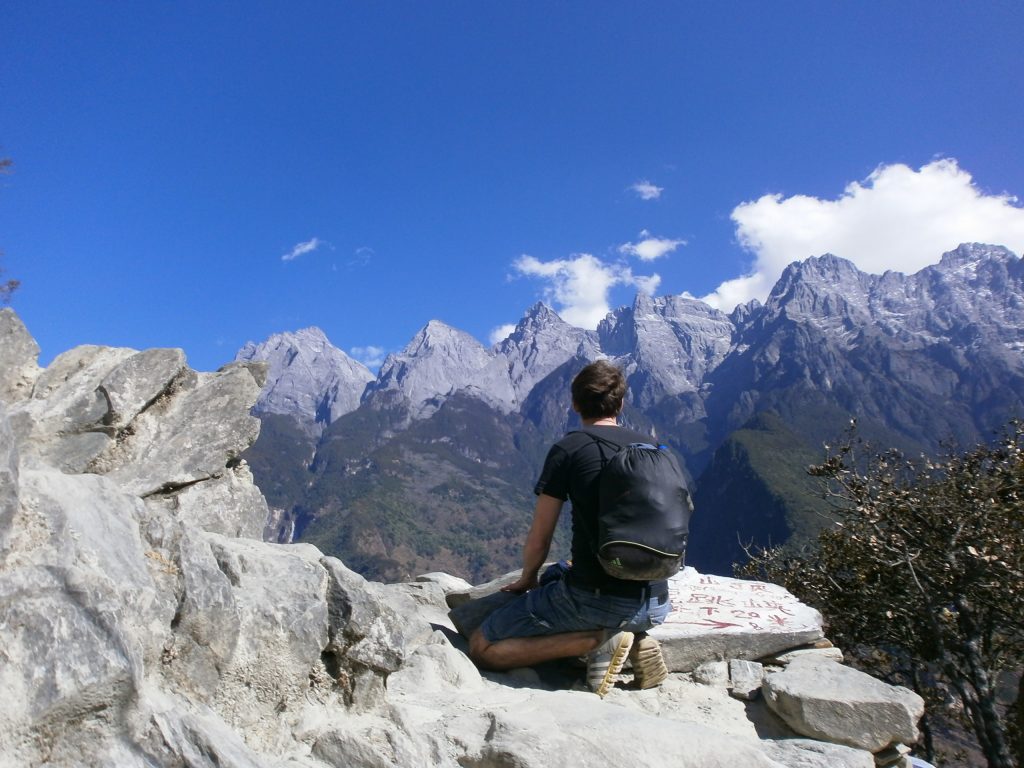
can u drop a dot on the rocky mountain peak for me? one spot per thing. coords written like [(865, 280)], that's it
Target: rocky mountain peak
[(828, 272), (309, 378), (668, 343), (539, 316), (440, 361), (827, 290), (541, 342), (967, 254)]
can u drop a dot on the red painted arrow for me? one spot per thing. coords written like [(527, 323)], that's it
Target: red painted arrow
[(712, 623)]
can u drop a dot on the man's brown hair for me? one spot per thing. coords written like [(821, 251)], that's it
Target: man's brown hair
[(598, 389)]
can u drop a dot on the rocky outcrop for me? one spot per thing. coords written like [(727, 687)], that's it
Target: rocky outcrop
[(143, 622)]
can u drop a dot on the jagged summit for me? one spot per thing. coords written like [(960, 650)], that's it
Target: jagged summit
[(540, 343), (666, 344), (309, 378), (672, 346), (438, 362), (973, 253)]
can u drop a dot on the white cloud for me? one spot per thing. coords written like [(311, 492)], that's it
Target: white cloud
[(896, 219), (372, 357), (647, 191), (501, 333), (362, 256), (649, 247), (302, 248), (579, 286)]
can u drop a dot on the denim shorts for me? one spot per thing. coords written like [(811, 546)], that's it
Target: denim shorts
[(554, 608)]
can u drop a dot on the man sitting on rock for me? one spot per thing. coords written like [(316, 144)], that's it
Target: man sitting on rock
[(578, 611)]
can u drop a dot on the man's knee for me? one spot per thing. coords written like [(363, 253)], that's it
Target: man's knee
[(478, 646)]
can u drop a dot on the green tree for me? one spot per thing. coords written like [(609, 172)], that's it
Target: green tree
[(922, 578), (7, 287)]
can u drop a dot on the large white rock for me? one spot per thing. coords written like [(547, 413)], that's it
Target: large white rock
[(191, 437), (8, 478), (80, 613), (831, 702), (230, 504), (745, 678), (62, 424), (807, 753), (135, 384), (715, 617), (577, 729), (18, 355)]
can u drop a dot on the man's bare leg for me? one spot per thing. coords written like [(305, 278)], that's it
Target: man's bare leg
[(525, 651)]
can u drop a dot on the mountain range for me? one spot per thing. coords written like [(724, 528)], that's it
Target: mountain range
[(429, 465)]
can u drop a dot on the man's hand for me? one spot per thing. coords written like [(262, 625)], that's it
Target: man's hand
[(538, 542), (524, 583)]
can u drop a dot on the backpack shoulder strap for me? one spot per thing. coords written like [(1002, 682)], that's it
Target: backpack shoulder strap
[(601, 442)]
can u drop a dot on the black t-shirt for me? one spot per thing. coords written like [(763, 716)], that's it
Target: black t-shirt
[(570, 472)]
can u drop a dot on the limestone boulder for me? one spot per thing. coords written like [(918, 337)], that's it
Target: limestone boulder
[(8, 479), (251, 626), (62, 424), (807, 753), (581, 730), (712, 673), (448, 583), (137, 383), (839, 704), (170, 730), (188, 438), (371, 626), (81, 612), (19, 354), (716, 617), (229, 504), (435, 666), (745, 678)]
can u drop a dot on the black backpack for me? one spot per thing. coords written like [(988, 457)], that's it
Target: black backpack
[(643, 512)]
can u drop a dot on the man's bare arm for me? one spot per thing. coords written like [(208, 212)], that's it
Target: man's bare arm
[(538, 542)]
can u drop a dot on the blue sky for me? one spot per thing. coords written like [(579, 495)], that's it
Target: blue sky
[(198, 175)]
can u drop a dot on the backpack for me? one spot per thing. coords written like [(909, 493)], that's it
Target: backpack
[(643, 512)]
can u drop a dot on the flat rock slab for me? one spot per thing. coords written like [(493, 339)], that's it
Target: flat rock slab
[(719, 618), (806, 753), (831, 702)]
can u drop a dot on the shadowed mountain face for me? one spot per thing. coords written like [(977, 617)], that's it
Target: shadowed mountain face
[(433, 469)]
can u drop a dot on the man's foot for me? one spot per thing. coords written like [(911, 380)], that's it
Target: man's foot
[(649, 668), (606, 661)]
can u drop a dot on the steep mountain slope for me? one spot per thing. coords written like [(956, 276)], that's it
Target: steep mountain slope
[(452, 491), (442, 451), (755, 491)]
